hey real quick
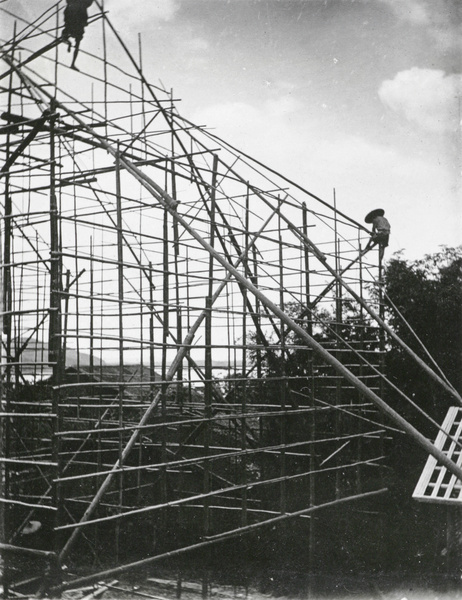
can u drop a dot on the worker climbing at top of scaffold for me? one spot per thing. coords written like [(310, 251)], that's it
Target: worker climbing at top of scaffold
[(380, 231), (75, 21)]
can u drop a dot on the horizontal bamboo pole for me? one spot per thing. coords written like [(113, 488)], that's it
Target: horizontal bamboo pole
[(232, 488), (27, 504), (199, 459), (21, 461), (28, 415), (171, 206), (26, 551), (157, 190), (214, 539), (176, 423)]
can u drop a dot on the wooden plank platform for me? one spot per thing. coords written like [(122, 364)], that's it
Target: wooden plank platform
[(436, 484)]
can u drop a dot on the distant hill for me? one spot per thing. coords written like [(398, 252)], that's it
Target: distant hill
[(37, 352)]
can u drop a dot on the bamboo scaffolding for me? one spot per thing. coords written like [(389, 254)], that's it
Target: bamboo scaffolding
[(210, 541), (170, 205), (157, 246)]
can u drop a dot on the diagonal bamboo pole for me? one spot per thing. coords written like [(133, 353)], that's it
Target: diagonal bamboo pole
[(320, 256), (171, 205), (214, 539), (168, 378)]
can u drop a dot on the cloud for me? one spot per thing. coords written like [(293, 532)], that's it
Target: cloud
[(240, 120), (29, 11), (364, 173), (127, 17), (267, 131), (141, 11), (443, 20), (197, 44), (427, 97), (410, 10), (283, 106), (233, 118)]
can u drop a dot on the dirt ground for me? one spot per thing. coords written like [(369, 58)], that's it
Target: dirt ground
[(362, 588)]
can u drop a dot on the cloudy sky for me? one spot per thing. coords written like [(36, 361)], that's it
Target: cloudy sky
[(358, 95)]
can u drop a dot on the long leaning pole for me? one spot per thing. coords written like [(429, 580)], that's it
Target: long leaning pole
[(306, 240), (171, 205), (155, 402)]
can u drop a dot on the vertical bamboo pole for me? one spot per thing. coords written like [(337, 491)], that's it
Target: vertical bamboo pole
[(120, 284), (283, 381), (176, 245), (66, 315), (92, 310), (3, 538), (54, 331), (142, 371), (338, 331), (17, 327), (55, 353), (105, 64), (258, 353), (77, 295), (165, 334), (99, 390), (312, 426), (5, 379), (95, 391), (243, 474), (55, 304), (152, 373), (37, 320), (56, 54), (180, 391), (208, 395), (361, 367), (7, 290), (188, 318), (143, 112), (382, 388)]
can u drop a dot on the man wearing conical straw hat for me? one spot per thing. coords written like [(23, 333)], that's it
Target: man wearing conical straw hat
[(380, 231)]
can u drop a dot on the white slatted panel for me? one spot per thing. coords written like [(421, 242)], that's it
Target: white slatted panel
[(436, 484)]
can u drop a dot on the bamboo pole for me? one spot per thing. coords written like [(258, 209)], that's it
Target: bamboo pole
[(320, 256), (283, 382), (208, 395), (338, 421), (163, 197), (275, 449), (79, 526), (55, 332), (26, 551), (243, 408), (5, 379), (312, 422), (171, 205), (120, 298), (213, 540)]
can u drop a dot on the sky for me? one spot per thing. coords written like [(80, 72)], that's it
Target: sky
[(360, 96)]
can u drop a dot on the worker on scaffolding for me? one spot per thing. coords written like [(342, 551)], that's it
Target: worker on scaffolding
[(380, 231), (75, 21)]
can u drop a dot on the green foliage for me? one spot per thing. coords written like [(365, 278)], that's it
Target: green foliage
[(428, 294)]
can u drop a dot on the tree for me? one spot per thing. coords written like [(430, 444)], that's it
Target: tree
[(428, 295)]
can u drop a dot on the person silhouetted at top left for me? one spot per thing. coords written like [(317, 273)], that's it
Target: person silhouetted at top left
[(380, 231), (75, 21)]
